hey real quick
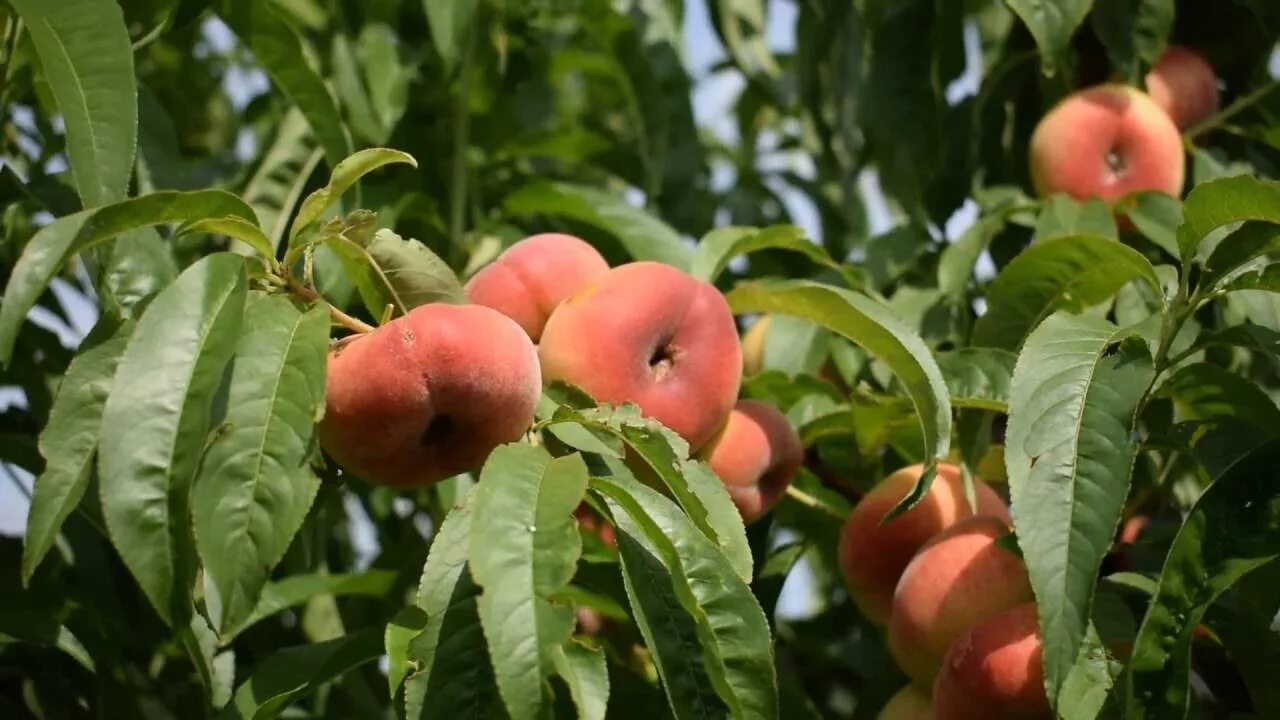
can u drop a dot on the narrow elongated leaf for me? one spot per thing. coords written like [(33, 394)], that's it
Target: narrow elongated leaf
[(279, 50), (298, 589), (644, 236), (978, 377), (277, 183), (872, 326), (587, 676), (155, 423), (742, 25), (1062, 215), (296, 672), (236, 228), (345, 174), (398, 272), (256, 485), (1063, 273), (1157, 216), (58, 241), (1252, 240), (454, 677), (1069, 453), (450, 23), (721, 245), (1052, 23), (737, 652), (1134, 32), (1213, 204), (70, 439), (403, 627), (524, 548), (85, 53), (1233, 530)]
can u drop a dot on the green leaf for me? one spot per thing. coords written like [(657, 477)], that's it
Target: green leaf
[(1155, 215), (155, 423), (1052, 23), (1066, 273), (1069, 452), (978, 377), (397, 272), (454, 677), (85, 53), (1233, 530), (345, 174), (1061, 216), (70, 438), (1213, 204), (295, 672), (642, 235), (655, 538), (524, 548), (277, 183), (587, 676), (872, 326), (236, 228), (1251, 241), (450, 23), (298, 589), (58, 241), (281, 53), (742, 25), (721, 245), (1134, 32), (402, 628), (255, 484)]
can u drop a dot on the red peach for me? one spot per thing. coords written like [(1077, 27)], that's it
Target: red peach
[(756, 455), (535, 275), (995, 671), (653, 335), (1183, 84), (1106, 141), (429, 394), (873, 555), (909, 703), (958, 578)]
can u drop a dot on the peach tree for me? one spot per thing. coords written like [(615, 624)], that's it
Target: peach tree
[(1076, 323)]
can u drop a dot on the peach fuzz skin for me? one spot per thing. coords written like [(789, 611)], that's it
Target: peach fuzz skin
[(909, 703), (429, 394), (649, 334), (1106, 141), (958, 578), (533, 276), (1183, 84), (995, 671), (873, 556), (756, 455)]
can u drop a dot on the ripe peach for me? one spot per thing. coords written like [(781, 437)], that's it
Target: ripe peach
[(533, 276), (429, 394), (756, 454), (650, 334), (995, 671), (873, 556), (959, 577), (909, 703), (1106, 142), (1183, 84)]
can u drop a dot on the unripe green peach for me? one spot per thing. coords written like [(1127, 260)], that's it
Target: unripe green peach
[(873, 555), (429, 394), (995, 671), (535, 275), (1106, 141), (958, 578), (756, 455), (653, 335)]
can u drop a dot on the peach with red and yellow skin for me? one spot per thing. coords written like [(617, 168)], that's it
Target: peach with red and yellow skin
[(533, 276), (756, 455), (650, 334), (1105, 142), (873, 555), (960, 577), (995, 671), (909, 703), (1183, 84), (429, 395)]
